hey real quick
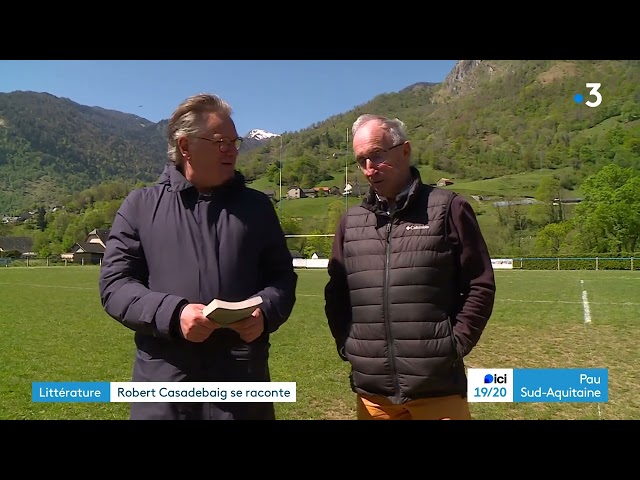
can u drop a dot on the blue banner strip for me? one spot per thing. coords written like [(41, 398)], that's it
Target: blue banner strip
[(71, 392), (586, 385)]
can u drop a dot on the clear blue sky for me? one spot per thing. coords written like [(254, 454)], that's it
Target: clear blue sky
[(273, 95)]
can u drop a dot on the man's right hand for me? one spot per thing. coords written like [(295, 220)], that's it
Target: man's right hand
[(194, 325)]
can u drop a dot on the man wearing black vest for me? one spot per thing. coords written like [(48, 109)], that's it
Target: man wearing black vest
[(411, 285)]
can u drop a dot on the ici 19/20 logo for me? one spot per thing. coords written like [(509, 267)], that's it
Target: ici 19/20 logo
[(578, 98), (488, 378)]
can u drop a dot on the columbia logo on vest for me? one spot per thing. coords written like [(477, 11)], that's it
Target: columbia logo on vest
[(417, 227)]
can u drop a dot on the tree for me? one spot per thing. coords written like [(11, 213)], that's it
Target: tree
[(273, 172), (630, 111), (551, 237), (41, 219), (316, 244), (547, 192), (335, 211), (609, 214)]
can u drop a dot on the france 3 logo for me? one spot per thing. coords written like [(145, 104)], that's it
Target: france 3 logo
[(490, 385), (593, 92)]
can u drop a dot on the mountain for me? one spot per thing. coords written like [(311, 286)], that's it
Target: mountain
[(257, 134), (487, 119), (256, 138), (51, 146)]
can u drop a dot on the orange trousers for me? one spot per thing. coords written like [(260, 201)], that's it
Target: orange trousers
[(453, 407)]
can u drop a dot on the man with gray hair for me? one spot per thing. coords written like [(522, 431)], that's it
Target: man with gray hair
[(411, 286), (200, 233)]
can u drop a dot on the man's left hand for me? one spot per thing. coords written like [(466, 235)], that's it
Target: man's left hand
[(251, 327)]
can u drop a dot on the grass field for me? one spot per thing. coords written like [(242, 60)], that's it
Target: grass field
[(313, 213), (54, 329), (516, 185), (509, 186)]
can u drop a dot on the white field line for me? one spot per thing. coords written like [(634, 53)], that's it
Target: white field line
[(585, 304), (587, 320), (563, 301)]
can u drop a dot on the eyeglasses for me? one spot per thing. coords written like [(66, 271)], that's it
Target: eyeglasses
[(377, 158), (225, 143)]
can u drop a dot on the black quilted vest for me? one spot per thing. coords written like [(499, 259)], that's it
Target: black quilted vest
[(401, 274)]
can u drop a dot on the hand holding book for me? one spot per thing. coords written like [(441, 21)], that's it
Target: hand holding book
[(225, 313)]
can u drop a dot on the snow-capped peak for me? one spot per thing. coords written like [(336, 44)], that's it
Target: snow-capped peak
[(258, 134)]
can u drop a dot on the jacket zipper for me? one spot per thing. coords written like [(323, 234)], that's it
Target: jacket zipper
[(387, 320)]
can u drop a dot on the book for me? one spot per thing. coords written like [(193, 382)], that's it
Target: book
[(228, 312)]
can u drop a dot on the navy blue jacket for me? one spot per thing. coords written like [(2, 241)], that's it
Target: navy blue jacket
[(169, 246)]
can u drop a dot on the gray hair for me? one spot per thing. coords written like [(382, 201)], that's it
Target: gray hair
[(396, 128), (189, 119)]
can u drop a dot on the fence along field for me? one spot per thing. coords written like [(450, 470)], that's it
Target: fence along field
[(54, 329)]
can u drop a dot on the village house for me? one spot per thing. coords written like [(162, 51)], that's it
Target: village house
[(294, 192), (91, 251), (17, 247)]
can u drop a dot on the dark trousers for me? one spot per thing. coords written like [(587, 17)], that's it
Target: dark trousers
[(156, 361)]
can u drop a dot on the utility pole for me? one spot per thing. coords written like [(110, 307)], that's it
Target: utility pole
[(346, 170), (280, 171)]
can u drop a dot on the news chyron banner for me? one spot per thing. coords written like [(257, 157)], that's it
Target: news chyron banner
[(108, 392), (586, 385)]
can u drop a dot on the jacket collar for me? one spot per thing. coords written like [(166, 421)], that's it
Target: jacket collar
[(177, 182), (376, 203)]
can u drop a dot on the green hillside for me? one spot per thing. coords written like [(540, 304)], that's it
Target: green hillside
[(497, 129)]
